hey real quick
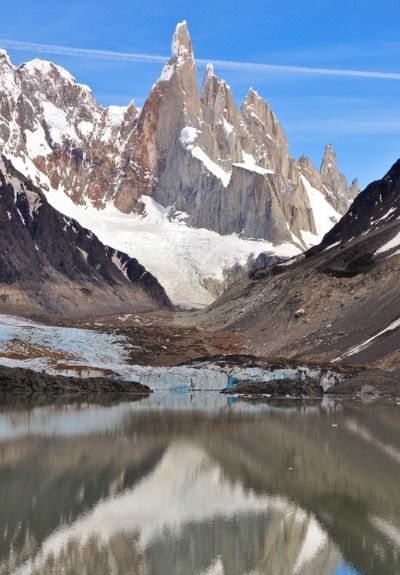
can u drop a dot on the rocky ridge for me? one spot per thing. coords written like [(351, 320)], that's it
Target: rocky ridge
[(339, 302), (228, 168), (49, 263)]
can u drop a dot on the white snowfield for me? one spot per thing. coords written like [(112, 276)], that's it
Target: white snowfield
[(182, 258)]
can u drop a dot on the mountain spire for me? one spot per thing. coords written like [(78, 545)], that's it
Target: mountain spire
[(328, 161), (181, 47)]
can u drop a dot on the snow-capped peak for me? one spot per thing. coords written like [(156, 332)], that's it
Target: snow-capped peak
[(44, 67), (4, 54), (254, 93)]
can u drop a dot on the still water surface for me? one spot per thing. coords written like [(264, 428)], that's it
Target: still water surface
[(181, 484)]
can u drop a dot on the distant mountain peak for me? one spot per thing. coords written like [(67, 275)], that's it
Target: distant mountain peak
[(44, 67), (328, 160)]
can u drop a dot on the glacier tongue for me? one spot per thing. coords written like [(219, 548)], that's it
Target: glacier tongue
[(182, 258)]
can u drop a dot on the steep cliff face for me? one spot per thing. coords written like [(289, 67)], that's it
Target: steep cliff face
[(49, 263), (228, 168), (340, 301)]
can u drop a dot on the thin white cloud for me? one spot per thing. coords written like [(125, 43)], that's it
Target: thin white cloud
[(80, 52), (220, 64), (283, 69)]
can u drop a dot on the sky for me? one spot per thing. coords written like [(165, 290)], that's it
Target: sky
[(358, 114)]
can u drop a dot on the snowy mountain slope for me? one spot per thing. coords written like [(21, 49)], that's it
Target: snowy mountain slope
[(227, 168), (48, 262), (193, 264)]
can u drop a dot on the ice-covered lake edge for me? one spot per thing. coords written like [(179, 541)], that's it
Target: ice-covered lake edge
[(84, 353)]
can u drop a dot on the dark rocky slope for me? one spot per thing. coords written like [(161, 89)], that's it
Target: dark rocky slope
[(27, 382), (49, 263), (341, 301)]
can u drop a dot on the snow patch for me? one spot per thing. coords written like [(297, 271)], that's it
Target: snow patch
[(390, 245), (122, 267), (249, 163), (57, 122), (358, 348), (178, 50), (36, 143), (27, 168), (229, 129), (211, 166), (254, 168), (84, 254), (188, 136), (85, 128), (325, 216), (248, 159), (4, 54), (34, 202), (116, 114), (333, 246), (309, 239), (167, 73)]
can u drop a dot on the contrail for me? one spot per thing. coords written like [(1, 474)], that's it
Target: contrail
[(81, 52), (220, 64)]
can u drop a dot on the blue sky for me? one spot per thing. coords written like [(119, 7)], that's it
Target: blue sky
[(360, 116)]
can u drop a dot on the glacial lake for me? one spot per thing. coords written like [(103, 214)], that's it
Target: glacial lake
[(199, 484)]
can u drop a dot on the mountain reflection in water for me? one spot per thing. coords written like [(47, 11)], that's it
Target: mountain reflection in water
[(198, 485)]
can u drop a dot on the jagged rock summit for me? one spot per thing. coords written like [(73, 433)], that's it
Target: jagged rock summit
[(227, 168)]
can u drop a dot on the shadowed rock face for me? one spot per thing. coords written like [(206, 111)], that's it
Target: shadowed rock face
[(228, 168), (49, 263), (374, 215), (347, 288)]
